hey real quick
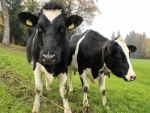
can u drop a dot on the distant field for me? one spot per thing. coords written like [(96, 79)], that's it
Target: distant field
[(123, 97)]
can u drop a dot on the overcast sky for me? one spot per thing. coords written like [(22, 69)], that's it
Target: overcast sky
[(123, 15)]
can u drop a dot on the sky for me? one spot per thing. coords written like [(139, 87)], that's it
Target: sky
[(122, 15)]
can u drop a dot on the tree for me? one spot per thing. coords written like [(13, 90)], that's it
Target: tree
[(139, 41), (6, 36), (127, 39), (14, 7), (33, 6), (144, 44), (144, 34), (1, 27), (85, 8), (113, 36), (17, 30), (147, 50), (118, 34)]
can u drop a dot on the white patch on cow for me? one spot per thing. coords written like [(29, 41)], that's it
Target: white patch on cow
[(62, 77), (41, 70), (88, 72), (36, 33), (47, 85), (84, 76), (85, 84), (49, 76), (70, 80), (51, 14), (31, 63), (38, 87), (36, 106), (74, 64), (102, 89), (125, 49), (71, 37), (38, 79)]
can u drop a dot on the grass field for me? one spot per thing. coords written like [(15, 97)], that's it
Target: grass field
[(123, 97)]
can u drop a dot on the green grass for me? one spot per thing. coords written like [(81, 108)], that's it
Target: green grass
[(122, 97)]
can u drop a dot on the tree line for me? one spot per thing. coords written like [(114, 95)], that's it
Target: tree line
[(12, 31), (141, 41)]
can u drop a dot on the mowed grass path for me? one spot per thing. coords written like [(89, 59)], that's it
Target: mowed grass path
[(122, 97)]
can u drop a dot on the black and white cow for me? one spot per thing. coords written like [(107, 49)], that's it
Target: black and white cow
[(48, 48), (93, 56)]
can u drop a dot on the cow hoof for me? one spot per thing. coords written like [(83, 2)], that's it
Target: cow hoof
[(35, 111), (86, 109), (70, 91), (106, 106), (67, 111), (48, 89)]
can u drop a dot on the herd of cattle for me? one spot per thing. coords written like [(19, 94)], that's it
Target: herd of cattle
[(52, 52)]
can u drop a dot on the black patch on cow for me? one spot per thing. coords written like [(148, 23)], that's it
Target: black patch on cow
[(103, 92)]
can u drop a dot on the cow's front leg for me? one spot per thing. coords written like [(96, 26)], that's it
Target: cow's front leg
[(63, 92), (38, 88), (48, 78), (70, 80), (85, 87), (103, 91)]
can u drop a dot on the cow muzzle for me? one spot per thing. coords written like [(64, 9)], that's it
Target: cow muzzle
[(130, 77), (49, 58)]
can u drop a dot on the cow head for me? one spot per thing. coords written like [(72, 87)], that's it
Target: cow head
[(117, 59), (50, 26)]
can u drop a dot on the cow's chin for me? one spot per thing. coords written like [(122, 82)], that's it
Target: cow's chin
[(126, 79)]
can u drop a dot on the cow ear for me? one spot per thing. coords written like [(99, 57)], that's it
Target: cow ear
[(131, 48), (73, 21), (28, 19)]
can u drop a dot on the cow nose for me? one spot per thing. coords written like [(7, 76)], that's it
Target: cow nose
[(132, 77), (48, 58)]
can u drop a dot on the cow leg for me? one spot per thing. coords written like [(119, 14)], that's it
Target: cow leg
[(48, 78), (103, 91), (38, 89), (63, 92), (47, 85), (85, 88), (70, 80)]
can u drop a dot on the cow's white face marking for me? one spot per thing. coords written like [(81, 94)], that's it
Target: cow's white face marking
[(125, 49), (51, 14)]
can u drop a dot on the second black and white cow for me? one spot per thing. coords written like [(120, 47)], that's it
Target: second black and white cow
[(47, 47), (92, 55)]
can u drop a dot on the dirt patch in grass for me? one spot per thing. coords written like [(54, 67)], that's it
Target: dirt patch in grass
[(6, 78)]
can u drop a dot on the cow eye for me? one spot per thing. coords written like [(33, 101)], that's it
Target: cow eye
[(63, 29), (41, 29), (119, 55)]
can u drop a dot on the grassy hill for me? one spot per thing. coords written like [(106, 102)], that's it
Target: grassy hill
[(123, 97)]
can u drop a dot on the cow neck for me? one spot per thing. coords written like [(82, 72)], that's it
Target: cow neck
[(103, 50), (105, 71)]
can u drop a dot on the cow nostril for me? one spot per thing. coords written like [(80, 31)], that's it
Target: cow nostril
[(48, 57), (133, 77)]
